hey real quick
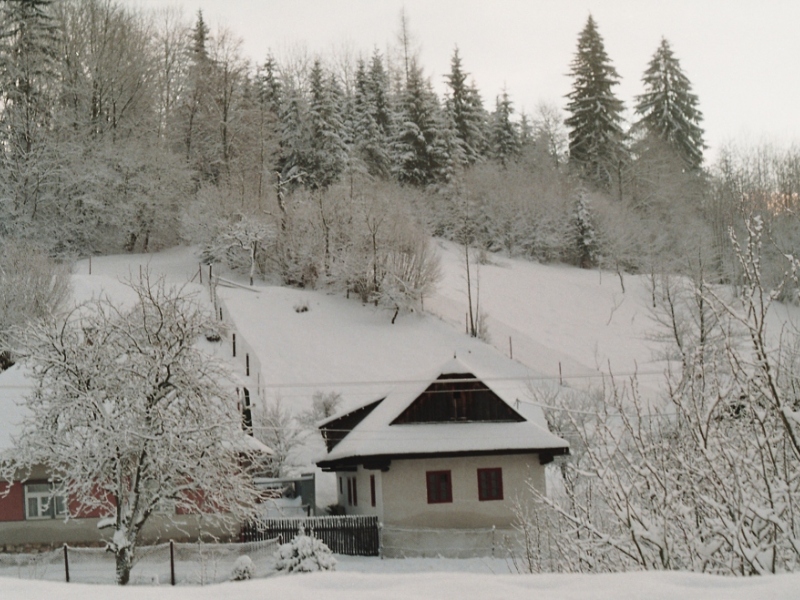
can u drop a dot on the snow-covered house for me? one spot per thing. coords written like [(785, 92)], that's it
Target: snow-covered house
[(30, 519), (451, 451)]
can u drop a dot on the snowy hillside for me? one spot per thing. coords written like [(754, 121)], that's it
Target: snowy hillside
[(560, 322)]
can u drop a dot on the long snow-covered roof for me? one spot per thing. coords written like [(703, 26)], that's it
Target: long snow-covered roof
[(375, 436), (14, 386)]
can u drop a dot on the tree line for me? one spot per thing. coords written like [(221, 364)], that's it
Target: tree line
[(129, 130)]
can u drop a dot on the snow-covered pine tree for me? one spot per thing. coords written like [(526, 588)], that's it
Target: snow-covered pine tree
[(505, 137), (369, 138), (196, 105), (268, 92), (378, 81), (327, 151), (420, 157), (466, 111), (669, 109), (293, 138), (595, 125)]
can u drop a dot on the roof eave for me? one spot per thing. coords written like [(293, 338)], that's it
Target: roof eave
[(348, 462)]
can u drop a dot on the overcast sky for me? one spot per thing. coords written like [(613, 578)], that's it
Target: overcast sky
[(741, 55)]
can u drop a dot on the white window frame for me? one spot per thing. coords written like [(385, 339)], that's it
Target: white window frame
[(48, 506), (164, 506)]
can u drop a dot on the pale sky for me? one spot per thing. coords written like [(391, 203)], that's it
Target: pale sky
[(740, 55)]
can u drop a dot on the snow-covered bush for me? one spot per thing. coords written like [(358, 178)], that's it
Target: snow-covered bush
[(304, 554), (702, 480), (243, 569)]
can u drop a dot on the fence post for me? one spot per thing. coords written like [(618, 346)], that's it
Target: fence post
[(66, 563), (560, 378), (200, 271), (510, 348), (172, 562), (233, 343), (90, 264)]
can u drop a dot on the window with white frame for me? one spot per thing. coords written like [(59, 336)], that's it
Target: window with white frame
[(40, 503), (165, 506)]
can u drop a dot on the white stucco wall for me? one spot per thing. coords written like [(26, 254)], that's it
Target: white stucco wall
[(364, 506), (402, 498)]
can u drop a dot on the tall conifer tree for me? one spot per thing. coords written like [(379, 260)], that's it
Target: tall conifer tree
[(420, 154), (466, 111), (327, 154), (668, 108), (505, 137), (595, 125)]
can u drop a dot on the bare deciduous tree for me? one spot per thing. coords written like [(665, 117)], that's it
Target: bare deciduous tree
[(128, 413)]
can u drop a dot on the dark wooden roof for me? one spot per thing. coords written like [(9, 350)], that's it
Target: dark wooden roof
[(334, 431)]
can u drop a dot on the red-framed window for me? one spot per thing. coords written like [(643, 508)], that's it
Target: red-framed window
[(372, 489), (440, 486), (490, 484), (349, 491), (355, 491)]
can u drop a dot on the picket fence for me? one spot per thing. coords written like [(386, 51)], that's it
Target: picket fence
[(349, 534)]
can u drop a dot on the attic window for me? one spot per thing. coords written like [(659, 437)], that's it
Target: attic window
[(457, 398)]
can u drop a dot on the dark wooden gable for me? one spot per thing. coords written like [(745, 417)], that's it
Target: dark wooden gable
[(457, 397), (334, 431)]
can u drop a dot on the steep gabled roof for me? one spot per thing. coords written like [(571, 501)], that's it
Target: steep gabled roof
[(375, 433)]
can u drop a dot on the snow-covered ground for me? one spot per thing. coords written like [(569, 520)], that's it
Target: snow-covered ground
[(402, 579)]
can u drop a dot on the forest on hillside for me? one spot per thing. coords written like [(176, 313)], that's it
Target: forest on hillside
[(133, 130)]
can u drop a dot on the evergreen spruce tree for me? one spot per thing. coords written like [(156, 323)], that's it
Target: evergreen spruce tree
[(327, 150), (369, 139), (466, 111), (595, 125), (270, 90), (293, 145), (505, 138), (378, 87), (420, 157), (668, 108), (269, 93), (197, 106)]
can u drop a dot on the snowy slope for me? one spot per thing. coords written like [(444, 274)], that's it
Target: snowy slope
[(563, 321)]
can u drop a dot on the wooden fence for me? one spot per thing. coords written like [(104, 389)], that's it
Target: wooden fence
[(349, 534)]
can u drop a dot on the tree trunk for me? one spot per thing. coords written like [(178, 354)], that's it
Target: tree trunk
[(124, 562)]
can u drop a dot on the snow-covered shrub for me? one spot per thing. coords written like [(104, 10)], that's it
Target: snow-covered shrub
[(243, 569), (304, 554)]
